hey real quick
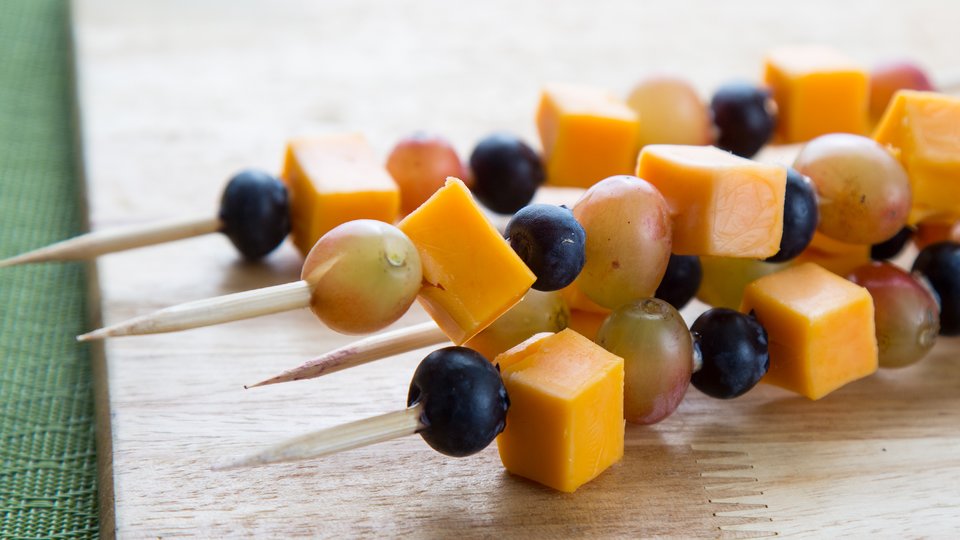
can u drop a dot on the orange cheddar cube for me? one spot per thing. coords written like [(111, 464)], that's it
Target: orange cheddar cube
[(333, 179), (820, 329), (586, 323), (566, 410), (587, 135), (577, 300), (471, 274), (931, 232), (817, 91), (722, 205), (838, 257), (922, 127), (521, 351)]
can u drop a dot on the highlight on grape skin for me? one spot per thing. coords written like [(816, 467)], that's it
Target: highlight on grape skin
[(364, 275)]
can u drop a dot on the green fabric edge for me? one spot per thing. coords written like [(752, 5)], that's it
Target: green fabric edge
[(48, 461)]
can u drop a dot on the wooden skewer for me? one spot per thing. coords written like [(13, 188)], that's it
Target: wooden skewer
[(363, 351), (221, 309), (91, 245), (337, 439)]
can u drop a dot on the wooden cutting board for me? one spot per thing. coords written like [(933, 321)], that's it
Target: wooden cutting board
[(178, 95)]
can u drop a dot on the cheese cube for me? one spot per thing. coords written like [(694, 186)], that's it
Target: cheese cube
[(817, 91), (471, 274), (820, 329), (576, 299), (586, 323), (722, 205), (587, 135), (838, 257), (566, 424), (334, 179), (922, 127)]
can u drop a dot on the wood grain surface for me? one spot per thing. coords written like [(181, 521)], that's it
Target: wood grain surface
[(178, 95)]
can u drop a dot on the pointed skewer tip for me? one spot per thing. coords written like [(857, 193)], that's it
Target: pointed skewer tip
[(368, 349), (19, 259), (92, 336), (336, 439), (266, 382)]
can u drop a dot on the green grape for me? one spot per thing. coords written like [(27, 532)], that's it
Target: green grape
[(725, 278), (862, 190), (364, 275), (629, 236), (537, 312), (906, 314), (657, 353)]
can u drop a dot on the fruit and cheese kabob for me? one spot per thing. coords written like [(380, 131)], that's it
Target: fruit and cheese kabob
[(326, 180), (360, 277), (457, 402), (254, 214), (554, 403)]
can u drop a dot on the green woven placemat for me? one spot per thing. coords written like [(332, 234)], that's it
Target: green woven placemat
[(47, 459)]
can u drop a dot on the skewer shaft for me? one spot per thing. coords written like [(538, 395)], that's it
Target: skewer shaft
[(363, 351), (337, 439), (90, 245), (221, 309)]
